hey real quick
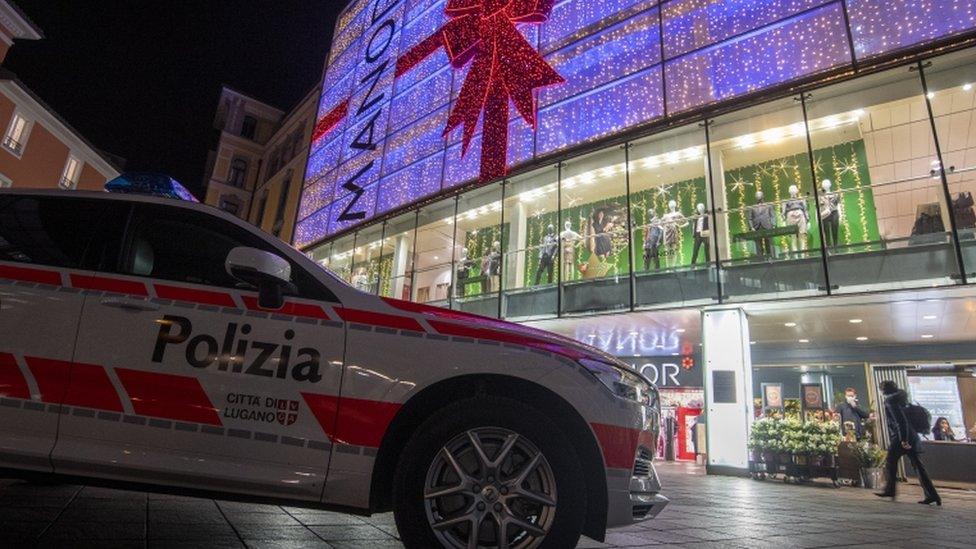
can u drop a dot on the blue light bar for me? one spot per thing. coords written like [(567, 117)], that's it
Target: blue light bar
[(150, 184)]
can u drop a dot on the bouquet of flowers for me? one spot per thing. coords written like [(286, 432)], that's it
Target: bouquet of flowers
[(869, 455)]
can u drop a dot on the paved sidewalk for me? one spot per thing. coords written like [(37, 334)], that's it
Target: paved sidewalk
[(706, 512)]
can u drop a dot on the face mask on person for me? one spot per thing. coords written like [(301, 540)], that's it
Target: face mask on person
[(852, 399)]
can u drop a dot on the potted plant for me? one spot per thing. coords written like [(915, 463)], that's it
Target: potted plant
[(871, 459)]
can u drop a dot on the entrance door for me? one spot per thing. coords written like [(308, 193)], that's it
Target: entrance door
[(212, 386)]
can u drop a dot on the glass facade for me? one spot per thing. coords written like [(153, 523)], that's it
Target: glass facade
[(859, 186)]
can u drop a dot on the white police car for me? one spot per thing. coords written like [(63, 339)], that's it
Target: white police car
[(152, 341)]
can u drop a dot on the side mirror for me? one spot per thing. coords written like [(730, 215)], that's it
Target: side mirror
[(270, 274)]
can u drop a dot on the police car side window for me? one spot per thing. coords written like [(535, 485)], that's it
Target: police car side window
[(59, 231), (184, 245)]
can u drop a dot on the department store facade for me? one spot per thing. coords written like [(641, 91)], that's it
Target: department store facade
[(717, 161)]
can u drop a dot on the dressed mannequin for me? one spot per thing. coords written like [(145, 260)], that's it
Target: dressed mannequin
[(795, 213), (653, 238), (463, 272), (547, 254), (570, 239), (702, 233), (672, 222), (491, 265), (962, 209), (360, 280), (600, 226), (830, 213), (762, 218)]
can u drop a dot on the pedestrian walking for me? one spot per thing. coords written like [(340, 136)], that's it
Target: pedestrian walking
[(903, 440)]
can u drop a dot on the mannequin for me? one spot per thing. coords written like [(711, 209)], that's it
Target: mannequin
[(360, 280), (702, 233), (492, 265), (672, 222), (830, 213), (795, 213), (547, 254), (762, 218), (600, 226), (962, 208), (653, 238), (463, 272), (570, 239)]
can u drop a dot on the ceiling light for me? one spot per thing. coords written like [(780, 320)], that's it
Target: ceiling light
[(862, 338), (752, 343), (930, 95), (929, 317), (967, 87), (680, 330), (927, 336), (804, 341), (790, 324), (855, 321), (859, 113), (436, 258)]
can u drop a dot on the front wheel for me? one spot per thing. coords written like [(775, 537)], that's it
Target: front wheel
[(489, 472)]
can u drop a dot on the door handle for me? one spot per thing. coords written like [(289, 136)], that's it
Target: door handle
[(130, 304)]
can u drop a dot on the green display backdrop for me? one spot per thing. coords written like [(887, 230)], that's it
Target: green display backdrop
[(688, 194), (478, 242), (844, 164)]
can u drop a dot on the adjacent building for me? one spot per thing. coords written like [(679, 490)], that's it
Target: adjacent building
[(39, 148), (758, 204)]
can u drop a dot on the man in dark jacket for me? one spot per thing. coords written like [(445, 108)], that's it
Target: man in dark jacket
[(902, 441), (850, 412)]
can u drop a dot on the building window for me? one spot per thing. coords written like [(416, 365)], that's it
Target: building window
[(71, 174), (249, 127), (282, 203), (5, 182), (238, 172), (229, 206), (16, 136), (262, 204)]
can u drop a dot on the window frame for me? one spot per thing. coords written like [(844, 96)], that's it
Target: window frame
[(67, 182), (22, 139), (235, 168)]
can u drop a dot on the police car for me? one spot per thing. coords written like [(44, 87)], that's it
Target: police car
[(161, 343)]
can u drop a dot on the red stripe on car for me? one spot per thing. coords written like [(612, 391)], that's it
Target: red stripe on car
[(105, 284), (289, 308), (74, 384), (359, 422), (619, 444), (205, 297), (168, 396), (12, 382), (379, 319), (26, 274)]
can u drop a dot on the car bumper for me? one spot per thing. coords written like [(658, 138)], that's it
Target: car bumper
[(636, 498)]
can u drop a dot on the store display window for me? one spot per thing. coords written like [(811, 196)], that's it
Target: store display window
[(367, 260), (340, 257), (952, 86), (531, 263), (396, 263), (768, 239), (594, 240), (432, 277), (671, 212), (479, 235), (882, 200)]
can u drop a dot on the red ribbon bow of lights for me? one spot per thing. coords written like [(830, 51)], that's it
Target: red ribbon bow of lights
[(504, 66)]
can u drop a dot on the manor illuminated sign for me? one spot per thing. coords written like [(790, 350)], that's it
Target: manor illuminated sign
[(422, 96)]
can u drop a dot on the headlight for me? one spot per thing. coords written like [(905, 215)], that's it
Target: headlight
[(623, 382)]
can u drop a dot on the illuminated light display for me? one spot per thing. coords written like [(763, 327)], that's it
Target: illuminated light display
[(401, 72)]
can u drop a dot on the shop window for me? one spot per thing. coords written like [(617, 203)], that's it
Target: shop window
[(395, 267), (952, 87), (479, 235), (767, 226), (432, 277), (595, 250), (671, 212), (882, 201), (366, 259), (531, 263), (339, 260)]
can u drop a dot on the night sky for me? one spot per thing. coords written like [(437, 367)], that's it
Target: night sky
[(140, 79)]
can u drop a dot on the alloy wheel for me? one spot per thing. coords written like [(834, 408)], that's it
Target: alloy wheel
[(490, 487)]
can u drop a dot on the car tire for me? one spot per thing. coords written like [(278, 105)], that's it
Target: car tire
[(492, 422)]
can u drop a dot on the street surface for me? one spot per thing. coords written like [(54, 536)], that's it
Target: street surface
[(706, 512)]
